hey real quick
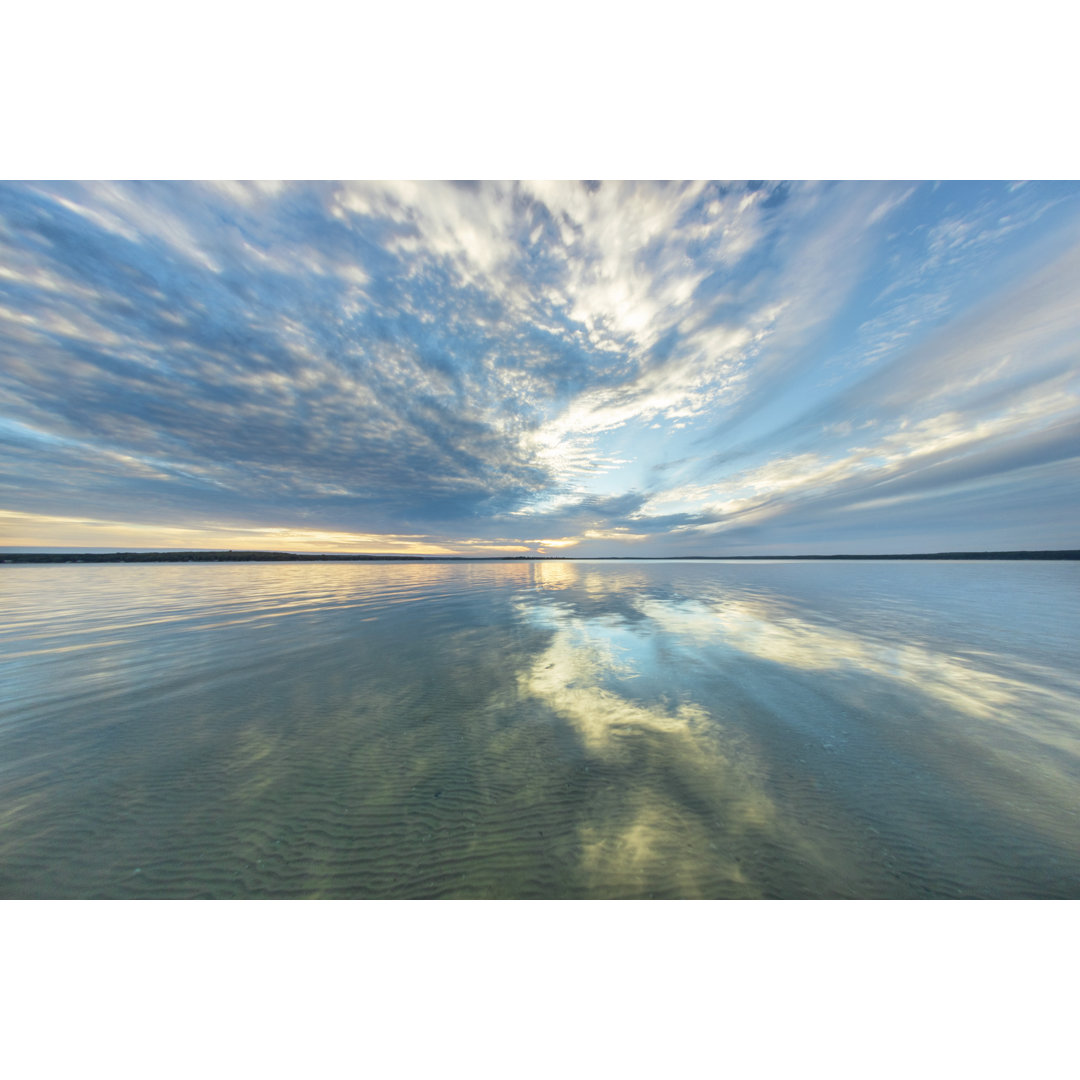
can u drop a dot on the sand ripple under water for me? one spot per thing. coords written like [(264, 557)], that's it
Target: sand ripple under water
[(564, 729)]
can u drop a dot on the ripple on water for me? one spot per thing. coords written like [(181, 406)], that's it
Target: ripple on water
[(537, 730)]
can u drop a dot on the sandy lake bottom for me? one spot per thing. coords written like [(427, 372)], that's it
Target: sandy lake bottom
[(563, 729)]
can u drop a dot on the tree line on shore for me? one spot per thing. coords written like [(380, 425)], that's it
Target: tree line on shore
[(291, 556)]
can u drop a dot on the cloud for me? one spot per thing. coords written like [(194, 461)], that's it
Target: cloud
[(503, 362)]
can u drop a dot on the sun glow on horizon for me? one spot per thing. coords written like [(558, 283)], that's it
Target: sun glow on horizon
[(44, 530)]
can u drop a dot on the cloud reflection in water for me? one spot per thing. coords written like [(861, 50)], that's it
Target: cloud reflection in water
[(562, 729), (701, 700)]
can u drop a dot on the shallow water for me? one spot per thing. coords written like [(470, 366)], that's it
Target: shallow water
[(552, 729)]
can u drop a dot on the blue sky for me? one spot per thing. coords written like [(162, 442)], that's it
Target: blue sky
[(564, 368)]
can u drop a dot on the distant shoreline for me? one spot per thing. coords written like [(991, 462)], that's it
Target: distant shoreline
[(288, 556)]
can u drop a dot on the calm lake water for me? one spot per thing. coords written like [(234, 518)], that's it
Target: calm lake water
[(552, 729)]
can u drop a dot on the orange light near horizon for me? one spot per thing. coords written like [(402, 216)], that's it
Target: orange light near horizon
[(45, 530), (18, 529)]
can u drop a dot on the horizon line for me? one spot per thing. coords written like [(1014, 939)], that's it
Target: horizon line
[(245, 555)]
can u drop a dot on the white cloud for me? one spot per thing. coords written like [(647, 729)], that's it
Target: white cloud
[(773, 489)]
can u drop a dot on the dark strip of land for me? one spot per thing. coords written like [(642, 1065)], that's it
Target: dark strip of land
[(290, 556)]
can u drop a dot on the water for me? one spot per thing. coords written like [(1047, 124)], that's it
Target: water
[(552, 729)]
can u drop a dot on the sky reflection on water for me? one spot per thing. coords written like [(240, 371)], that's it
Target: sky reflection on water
[(551, 729)]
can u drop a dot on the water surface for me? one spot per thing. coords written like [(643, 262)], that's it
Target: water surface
[(552, 729)]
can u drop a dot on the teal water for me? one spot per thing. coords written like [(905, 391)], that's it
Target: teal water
[(553, 729)]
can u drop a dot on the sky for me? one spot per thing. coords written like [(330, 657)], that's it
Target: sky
[(563, 368)]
